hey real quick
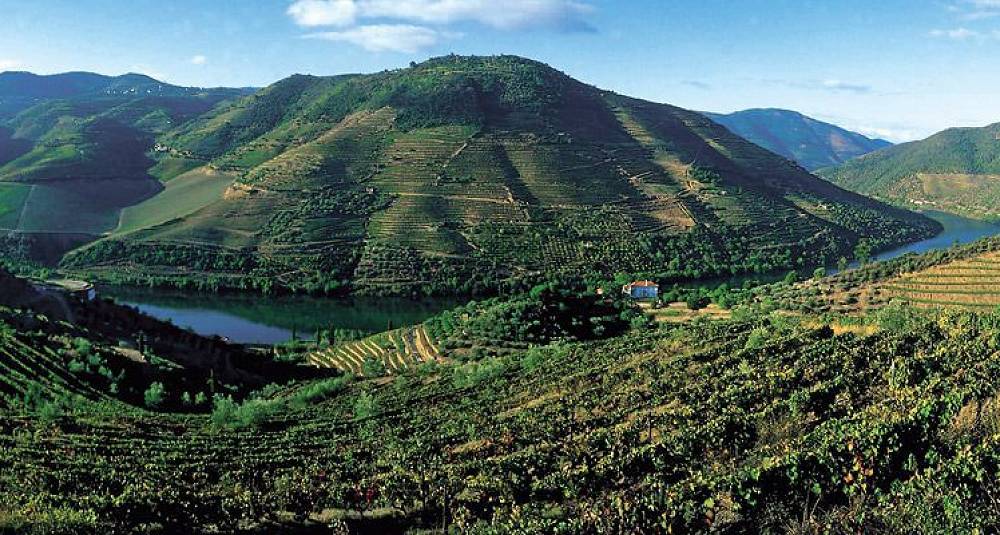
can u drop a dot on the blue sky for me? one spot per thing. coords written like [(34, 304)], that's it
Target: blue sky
[(901, 69)]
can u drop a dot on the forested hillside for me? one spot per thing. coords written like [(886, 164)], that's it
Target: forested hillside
[(466, 174), (957, 170)]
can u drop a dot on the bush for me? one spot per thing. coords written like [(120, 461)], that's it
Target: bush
[(373, 367), (364, 406), (250, 413), (154, 395), (319, 391)]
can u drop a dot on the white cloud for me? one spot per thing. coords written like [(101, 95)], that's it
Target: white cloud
[(840, 85), (313, 13), (697, 84), (148, 71), (409, 25), (512, 14), (831, 84), (972, 10), (958, 34), (895, 135), (9, 64), (384, 37), (199, 60)]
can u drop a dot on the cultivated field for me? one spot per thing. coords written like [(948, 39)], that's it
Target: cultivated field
[(182, 196), (971, 283), (396, 350)]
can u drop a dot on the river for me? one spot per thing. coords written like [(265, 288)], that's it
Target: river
[(253, 319), (957, 230)]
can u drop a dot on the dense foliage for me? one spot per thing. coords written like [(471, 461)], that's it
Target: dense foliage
[(546, 314)]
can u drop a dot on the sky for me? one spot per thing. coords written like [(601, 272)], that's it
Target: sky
[(897, 69)]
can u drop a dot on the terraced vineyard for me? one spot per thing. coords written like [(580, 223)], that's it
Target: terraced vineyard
[(970, 283), (463, 175), (396, 350), (962, 277)]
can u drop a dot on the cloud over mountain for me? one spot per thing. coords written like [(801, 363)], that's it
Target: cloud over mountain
[(412, 25)]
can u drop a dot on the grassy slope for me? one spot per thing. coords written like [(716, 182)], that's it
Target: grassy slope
[(181, 196), (462, 165), (12, 198), (955, 170), (812, 144)]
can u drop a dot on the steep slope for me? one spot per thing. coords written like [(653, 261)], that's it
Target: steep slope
[(460, 174), (61, 351), (80, 150), (957, 170), (811, 143)]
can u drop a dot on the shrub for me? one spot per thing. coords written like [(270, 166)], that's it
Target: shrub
[(154, 395), (250, 413), (319, 391), (364, 406), (373, 367)]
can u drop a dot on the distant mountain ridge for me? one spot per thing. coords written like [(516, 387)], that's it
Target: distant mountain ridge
[(70, 84), (956, 170), (20, 90), (811, 143)]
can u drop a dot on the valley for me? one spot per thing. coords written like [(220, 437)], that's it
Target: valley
[(478, 295)]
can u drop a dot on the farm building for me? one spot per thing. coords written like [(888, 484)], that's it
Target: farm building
[(642, 290)]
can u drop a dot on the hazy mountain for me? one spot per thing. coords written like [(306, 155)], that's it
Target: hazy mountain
[(21, 90), (811, 143)]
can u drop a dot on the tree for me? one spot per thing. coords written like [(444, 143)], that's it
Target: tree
[(373, 367), (154, 395), (697, 302), (863, 252)]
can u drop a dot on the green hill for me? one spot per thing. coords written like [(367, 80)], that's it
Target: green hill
[(957, 170), (462, 173), (80, 150), (811, 143)]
